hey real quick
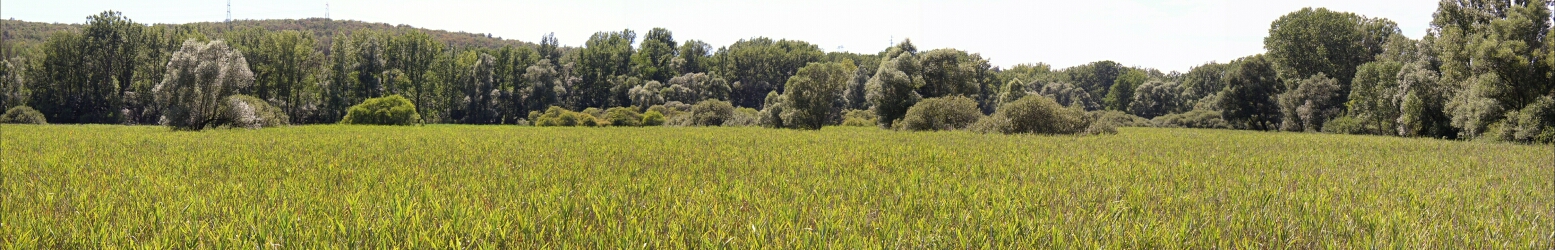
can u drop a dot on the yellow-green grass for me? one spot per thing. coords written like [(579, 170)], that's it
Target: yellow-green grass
[(525, 187)]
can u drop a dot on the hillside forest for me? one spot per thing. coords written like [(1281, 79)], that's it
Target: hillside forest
[(1485, 70)]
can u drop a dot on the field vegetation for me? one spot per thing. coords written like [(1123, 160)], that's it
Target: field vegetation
[(504, 187)]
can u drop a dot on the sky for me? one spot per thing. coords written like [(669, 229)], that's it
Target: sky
[(1170, 35)]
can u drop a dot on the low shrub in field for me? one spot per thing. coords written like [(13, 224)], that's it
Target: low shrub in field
[(388, 110), (1037, 114), (653, 118), (1119, 118), (596, 112), (743, 117), (241, 111), (23, 115), (560, 117), (1346, 125), (1191, 119), (624, 116), (711, 113), (859, 118), (947, 113)]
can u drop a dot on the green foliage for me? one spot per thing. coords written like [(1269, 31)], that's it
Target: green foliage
[(1422, 103), (941, 113), (13, 83), (653, 118), (624, 117), (1534, 123), (951, 72), (743, 117), (1068, 95), (711, 113), (1155, 98), (23, 115), (1248, 101), (690, 88), (814, 93), (604, 56), (1035, 114), (1116, 118), (199, 79), (388, 110), (772, 115), (1192, 119), (1312, 41), (1311, 104), (1346, 125), (760, 65), (1490, 53), (560, 117), (654, 57), (1121, 93), (1096, 78), (1202, 82), (858, 118), (893, 89), (242, 111), (1373, 96)]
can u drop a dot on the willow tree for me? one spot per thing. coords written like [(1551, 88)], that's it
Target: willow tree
[(199, 78)]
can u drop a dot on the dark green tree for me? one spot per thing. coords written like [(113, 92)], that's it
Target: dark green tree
[(655, 56), (1248, 101)]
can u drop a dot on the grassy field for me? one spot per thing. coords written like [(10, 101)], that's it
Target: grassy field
[(524, 187)]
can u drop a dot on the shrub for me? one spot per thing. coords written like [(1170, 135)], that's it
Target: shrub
[(23, 115), (388, 110), (711, 113), (1038, 115), (653, 118), (1192, 119), (1119, 118), (249, 112), (560, 117), (596, 112), (859, 118), (947, 113), (743, 117), (624, 116)]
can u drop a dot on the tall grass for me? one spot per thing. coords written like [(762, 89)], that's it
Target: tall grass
[(501, 187)]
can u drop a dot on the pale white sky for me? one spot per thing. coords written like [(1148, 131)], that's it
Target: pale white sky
[(1164, 34)]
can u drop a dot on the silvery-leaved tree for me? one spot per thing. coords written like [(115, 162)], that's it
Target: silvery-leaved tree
[(199, 77)]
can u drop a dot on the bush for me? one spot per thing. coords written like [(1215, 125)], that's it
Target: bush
[(743, 117), (711, 113), (1119, 118), (624, 116), (596, 112), (388, 110), (859, 118), (249, 112), (653, 118), (1346, 125), (1038, 115), (947, 113), (23, 115), (1192, 119), (560, 117)]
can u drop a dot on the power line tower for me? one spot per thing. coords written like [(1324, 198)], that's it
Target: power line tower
[(326, 10), (229, 11)]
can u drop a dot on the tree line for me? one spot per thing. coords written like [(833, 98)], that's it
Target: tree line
[(1483, 71)]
